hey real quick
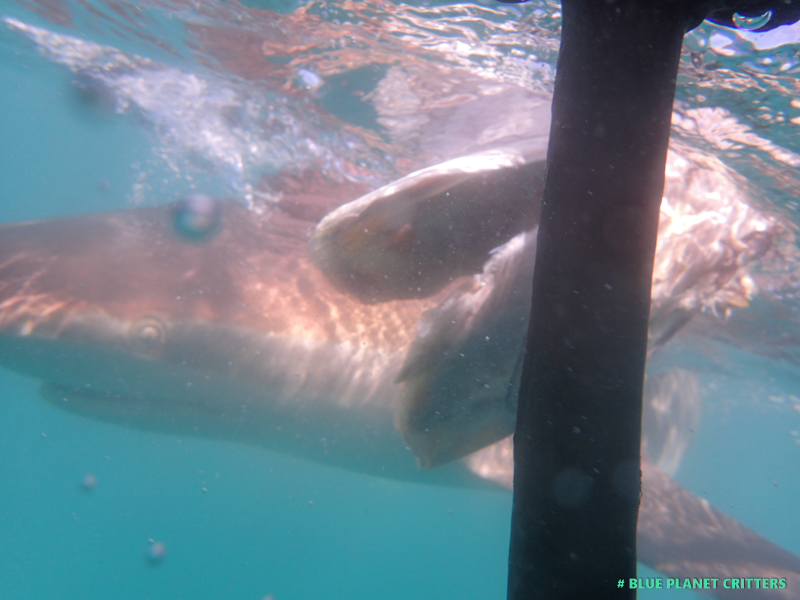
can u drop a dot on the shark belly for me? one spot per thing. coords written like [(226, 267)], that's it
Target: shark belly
[(328, 403)]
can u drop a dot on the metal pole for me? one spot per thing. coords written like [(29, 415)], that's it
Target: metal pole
[(577, 443)]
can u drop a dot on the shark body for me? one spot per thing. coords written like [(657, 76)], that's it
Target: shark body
[(240, 337), (243, 337)]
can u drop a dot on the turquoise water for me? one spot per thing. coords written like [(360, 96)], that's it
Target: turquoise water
[(240, 522)]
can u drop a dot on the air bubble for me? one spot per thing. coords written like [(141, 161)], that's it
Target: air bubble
[(751, 23)]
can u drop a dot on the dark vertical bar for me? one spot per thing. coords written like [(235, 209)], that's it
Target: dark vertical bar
[(577, 443)]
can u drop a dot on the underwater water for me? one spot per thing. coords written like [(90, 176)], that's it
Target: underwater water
[(113, 105)]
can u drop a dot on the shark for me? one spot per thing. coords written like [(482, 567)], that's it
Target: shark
[(382, 335)]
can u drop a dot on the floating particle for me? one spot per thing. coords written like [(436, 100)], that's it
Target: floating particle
[(89, 482), (156, 552)]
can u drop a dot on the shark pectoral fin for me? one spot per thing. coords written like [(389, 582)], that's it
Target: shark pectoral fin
[(439, 432), (411, 238), (494, 462), (461, 374), (454, 402), (671, 416), (683, 536)]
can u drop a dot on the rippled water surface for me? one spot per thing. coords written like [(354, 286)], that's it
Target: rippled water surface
[(110, 105)]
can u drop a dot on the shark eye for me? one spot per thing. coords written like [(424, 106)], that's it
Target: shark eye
[(147, 335)]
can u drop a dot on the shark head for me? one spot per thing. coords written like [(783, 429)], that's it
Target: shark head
[(123, 284), (237, 335)]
